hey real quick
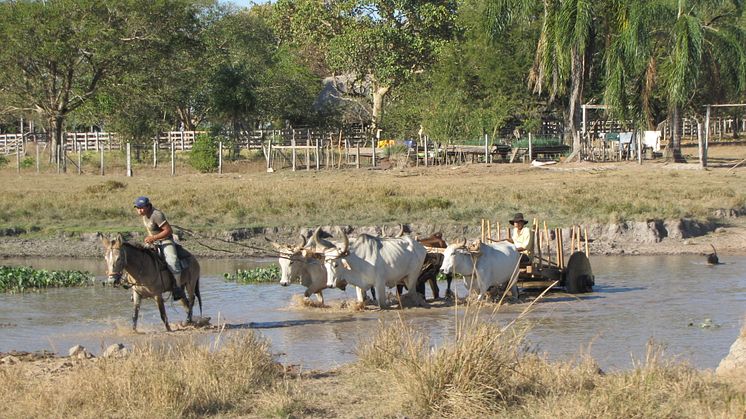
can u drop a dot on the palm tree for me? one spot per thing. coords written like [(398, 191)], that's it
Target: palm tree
[(671, 49), (564, 48)]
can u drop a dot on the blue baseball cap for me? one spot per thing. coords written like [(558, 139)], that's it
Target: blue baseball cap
[(142, 202)]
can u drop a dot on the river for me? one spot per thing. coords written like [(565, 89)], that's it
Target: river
[(694, 310)]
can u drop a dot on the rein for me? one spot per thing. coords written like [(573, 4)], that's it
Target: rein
[(199, 236)]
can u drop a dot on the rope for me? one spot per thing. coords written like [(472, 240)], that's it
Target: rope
[(199, 236)]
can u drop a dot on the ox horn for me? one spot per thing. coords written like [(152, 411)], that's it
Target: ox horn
[(460, 243), (303, 242), (345, 243), (315, 236), (401, 230)]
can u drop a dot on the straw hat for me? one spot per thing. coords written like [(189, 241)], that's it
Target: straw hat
[(518, 218)]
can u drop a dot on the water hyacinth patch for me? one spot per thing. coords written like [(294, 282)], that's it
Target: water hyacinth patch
[(269, 273), (23, 278)]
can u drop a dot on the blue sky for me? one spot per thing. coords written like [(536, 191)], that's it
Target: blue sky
[(243, 3)]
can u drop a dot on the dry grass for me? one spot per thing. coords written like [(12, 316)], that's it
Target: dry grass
[(182, 380), (562, 194), (484, 371), (488, 371)]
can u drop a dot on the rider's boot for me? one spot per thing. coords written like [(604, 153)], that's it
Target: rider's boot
[(178, 290)]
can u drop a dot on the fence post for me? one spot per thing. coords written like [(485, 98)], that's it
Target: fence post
[(18, 157), (129, 159), (308, 153), (426, 154), (173, 159), (155, 153), (101, 151), (292, 148), (357, 153), (80, 162), (486, 149), (220, 157), (38, 166), (530, 148), (318, 154)]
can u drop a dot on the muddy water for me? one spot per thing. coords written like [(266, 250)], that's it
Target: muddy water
[(668, 299)]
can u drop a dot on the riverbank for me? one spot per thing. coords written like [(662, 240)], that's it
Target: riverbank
[(656, 208), (485, 371), (654, 237)]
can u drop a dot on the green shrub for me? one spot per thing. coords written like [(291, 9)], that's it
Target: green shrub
[(3, 161), (106, 187), (27, 162), (20, 279), (204, 154), (269, 273)]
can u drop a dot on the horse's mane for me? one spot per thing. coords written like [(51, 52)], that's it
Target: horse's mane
[(141, 247)]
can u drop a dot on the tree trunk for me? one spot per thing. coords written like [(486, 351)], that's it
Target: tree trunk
[(55, 126), (673, 151), (576, 97), (379, 92)]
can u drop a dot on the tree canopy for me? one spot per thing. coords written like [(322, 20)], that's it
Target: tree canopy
[(456, 69)]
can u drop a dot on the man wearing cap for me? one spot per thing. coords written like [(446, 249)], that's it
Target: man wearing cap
[(160, 235), (521, 237)]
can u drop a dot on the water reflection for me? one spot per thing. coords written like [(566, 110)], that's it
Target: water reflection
[(664, 298)]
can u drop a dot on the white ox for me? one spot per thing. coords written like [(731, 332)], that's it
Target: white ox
[(493, 266), (298, 263), (375, 262)]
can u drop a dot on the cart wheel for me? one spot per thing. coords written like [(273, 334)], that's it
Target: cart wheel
[(578, 274)]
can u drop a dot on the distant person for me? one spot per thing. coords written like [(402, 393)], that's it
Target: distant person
[(161, 236), (521, 237)]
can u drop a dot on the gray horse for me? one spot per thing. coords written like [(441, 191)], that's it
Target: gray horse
[(148, 275)]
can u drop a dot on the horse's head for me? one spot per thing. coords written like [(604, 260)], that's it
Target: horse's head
[(115, 259)]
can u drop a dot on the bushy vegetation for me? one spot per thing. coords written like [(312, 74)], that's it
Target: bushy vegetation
[(204, 154), (480, 370), (487, 371), (3, 161), (184, 380), (269, 273), (22, 279)]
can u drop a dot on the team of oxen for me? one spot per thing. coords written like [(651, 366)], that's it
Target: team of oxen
[(405, 262)]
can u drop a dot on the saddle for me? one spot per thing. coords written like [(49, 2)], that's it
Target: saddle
[(182, 254)]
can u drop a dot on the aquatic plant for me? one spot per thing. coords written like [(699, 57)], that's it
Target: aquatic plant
[(269, 273), (23, 278)]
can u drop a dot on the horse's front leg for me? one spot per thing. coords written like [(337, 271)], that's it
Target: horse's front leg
[(136, 302), (162, 309)]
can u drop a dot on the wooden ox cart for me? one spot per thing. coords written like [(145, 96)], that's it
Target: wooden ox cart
[(548, 264)]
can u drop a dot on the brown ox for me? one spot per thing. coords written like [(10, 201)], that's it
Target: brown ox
[(431, 267)]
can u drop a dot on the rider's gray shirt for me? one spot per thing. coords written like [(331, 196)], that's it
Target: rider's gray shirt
[(154, 224)]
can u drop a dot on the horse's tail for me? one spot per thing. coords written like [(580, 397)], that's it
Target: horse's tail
[(199, 297)]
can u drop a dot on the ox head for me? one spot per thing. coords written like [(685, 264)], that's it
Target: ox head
[(115, 259), (290, 260), (334, 258), (450, 254)]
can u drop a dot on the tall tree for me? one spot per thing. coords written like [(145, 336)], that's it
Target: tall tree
[(564, 51), (680, 51), (379, 42), (57, 54)]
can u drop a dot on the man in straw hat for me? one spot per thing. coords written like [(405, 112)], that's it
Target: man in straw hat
[(521, 237)]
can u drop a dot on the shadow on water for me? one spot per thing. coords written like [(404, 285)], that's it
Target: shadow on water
[(610, 289), (289, 323)]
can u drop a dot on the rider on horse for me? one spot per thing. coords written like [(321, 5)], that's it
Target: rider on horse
[(161, 236)]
